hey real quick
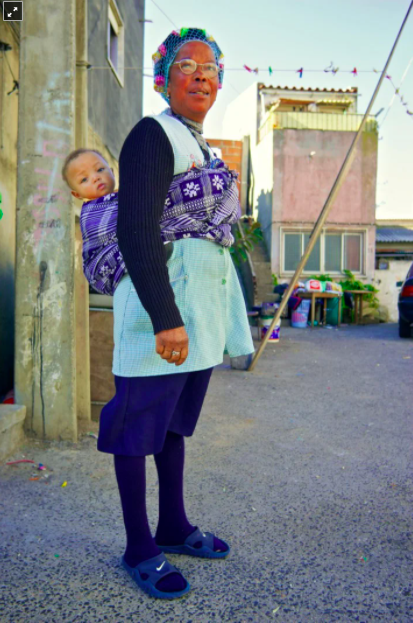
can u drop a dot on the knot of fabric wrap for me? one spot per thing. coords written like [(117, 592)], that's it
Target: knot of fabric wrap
[(201, 203)]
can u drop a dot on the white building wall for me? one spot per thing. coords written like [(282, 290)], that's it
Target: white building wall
[(240, 118), (385, 281), (262, 179)]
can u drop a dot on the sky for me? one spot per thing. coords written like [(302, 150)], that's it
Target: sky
[(289, 34)]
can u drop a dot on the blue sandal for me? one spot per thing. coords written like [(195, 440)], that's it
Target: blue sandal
[(155, 569), (205, 551)]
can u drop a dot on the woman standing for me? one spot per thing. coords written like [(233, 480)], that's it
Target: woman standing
[(173, 316)]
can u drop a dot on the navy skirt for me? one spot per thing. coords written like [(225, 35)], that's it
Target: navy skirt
[(145, 408)]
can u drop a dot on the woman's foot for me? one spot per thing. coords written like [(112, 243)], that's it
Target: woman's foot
[(197, 543), (158, 577)]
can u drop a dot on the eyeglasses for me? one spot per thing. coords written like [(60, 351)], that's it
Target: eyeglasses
[(189, 66)]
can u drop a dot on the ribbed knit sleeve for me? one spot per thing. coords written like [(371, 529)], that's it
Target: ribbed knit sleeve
[(146, 167)]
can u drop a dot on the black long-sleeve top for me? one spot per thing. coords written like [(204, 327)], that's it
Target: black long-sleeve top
[(146, 168)]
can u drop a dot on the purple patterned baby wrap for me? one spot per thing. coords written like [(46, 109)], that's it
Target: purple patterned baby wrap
[(201, 203), (103, 263)]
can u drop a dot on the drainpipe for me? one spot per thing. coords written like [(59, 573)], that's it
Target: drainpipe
[(83, 406)]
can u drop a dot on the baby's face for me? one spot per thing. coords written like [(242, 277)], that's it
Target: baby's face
[(90, 177)]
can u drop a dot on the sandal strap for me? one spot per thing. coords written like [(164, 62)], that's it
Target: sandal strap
[(156, 568), (206, 538)]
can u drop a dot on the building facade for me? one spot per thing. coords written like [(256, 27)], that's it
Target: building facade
[(80, 95), (298, 141), (394, 256)]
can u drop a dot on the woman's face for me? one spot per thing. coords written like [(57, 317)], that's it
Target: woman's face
[(192, 96)]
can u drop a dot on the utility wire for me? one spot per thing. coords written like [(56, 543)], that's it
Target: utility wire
[(274, 71), (163, 12), (175, 26), (397, 91)]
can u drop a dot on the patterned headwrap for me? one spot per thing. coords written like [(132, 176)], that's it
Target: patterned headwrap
[(167, 51)]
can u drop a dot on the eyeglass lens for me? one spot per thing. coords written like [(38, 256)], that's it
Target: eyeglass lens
[(189, 66)]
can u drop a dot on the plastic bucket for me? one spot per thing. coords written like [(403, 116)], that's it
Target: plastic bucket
[(299, 317), (264, 324)]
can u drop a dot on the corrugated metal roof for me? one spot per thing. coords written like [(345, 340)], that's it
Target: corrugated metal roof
[(261, 85), (394, 234)]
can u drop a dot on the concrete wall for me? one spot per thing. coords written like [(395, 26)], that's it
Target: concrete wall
[(113, 109), (45, 326), (302, 183), (8, 181), (385, 281)]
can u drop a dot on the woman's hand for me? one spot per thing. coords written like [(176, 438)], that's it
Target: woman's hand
[(173, 340)]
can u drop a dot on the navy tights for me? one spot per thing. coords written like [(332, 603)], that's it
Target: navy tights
[(173, 527), (173, 524)]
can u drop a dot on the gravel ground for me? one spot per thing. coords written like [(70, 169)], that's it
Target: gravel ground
[(303, 465)]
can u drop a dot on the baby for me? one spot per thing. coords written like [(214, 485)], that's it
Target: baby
[(87, 174), (90, 178)]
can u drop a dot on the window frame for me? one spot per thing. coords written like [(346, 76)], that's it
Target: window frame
[(362, 233), (116, 22)]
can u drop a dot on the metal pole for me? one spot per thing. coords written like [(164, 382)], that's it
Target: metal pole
[(329, 203)]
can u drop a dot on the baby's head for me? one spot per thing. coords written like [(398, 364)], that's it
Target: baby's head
[(87, 174)]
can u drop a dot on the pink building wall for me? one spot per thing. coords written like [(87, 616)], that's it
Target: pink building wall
[(302, 182)]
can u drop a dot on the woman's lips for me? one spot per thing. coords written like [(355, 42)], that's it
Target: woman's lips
[(199, 94)]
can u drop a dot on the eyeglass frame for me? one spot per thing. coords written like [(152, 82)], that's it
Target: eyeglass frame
[(197, 65)]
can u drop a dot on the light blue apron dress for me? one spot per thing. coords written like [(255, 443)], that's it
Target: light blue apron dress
[(207, 293)]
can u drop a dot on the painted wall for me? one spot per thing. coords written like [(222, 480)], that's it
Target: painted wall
[(385, 281), (114, 110), (302, 182), (241, 116), (261, 180), (8, 180)]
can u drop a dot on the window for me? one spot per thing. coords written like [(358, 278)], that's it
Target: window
[(292, 251), (352, 252), (313, 263), (116, 40), (294, 247), (333, 253)]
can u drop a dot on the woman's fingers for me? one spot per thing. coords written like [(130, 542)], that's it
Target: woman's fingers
[(172, 345), (184, 355)]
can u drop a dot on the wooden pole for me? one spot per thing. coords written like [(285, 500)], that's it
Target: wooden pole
[(329, 203)]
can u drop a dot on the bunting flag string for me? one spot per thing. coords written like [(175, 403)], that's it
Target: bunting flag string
[(251, 71), (399, 95), (331, 69), (273, 71)]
